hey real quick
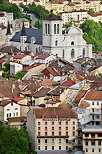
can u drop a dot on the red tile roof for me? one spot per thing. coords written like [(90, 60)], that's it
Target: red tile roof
[(43, 56), (19, 56), (79, 95), (55, 113), (1, 95), (17, 99), (83, 104), (93, 94), (68, 83)]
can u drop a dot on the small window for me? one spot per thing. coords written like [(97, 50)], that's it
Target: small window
[(59, 147), (83, 52), (38, 123), (92, 150), (38, 147), (16, 108), (59, 133), (66, 128), (45, 128), (45, 140), (54, 28), (86, 143), (9, 114), (99, 150), (56, 43), (59, 128), (66, 122), (63, 54), (72, 43), (92, 103), (52, 133), (48, 29), (66, 133), (52, 147), (73, 122), (8, 109), (59, 122), (38, 128), (45, 123), (52, 140), (45, 28), (59, 140), (97, 103), (73, 134), (38, 133), (92, 142), (98, 117), (99, 142), (66, 140), (86, 150), (57, 28), (72, 53), (52, 128), (86, 135), (16, 113), (38, 140), (11, 104), (52, 123), (73, 128), (66, 147), (45, 147), (45, 133)]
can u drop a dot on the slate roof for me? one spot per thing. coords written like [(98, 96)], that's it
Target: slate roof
[(30, 32), (52, 17)]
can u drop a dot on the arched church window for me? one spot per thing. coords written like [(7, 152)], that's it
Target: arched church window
[(63, 53), (45, 28), (72, 43), (57, 28), (54, 28), (56, 43), (83, 52), (48, 29), (72, 53)]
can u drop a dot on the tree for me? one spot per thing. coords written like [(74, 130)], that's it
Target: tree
[(7, 67), (91, 11), (13, 141), (38, 24), (19, 75), (5, 75)]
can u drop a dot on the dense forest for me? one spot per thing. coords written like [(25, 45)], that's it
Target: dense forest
[(93, 33), (13, 141)]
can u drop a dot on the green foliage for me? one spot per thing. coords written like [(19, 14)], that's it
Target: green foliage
[(13, 141), (5, 74), (91, 11), (7, 67), (38, 24), (93, 33), (19, 75)]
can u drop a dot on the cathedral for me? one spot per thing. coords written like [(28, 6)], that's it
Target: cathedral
[(68, 44)]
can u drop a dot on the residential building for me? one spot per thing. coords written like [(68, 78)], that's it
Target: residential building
[(52, 129), (5, 17), (92, 139), (15, 67)]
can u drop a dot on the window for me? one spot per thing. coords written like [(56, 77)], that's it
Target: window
[(45, 123), (98, 117), (7, 114), (66, 147), (73, 134), (38, 147), (59, 122), (97, 103), (45, 147), (66, 133), (52, 147), (92, 150), (52, 128), (99, 150), (92, 103), (92, 142), (92, 135), (52, 140), (48, 29), (86, 150), (16, 113), (59, 140), (45, 140), (72, 43), (59, 147), (57, 28), (66, 140), (8, 109), (73, 122), (66, 122), (59, 133), (54, 28), (92, 110), (38, 123), (72, 53), (16, 108), (45, 133), (45, 28), (56, 43), (99, 142), (86, 135), (59, 128), (100, 135), (52, 133), (66, 128), (52, 123), (73, 128), (45, 128), (38, 133), (11, 104), (86, 142), (38, 140), (83, 52), (63, 54), (38, 128)]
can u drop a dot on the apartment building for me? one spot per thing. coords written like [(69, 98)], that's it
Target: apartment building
[(92, 139), (52, 129), (5, 17)]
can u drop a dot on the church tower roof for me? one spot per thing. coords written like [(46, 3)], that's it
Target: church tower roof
[(52, 17), (23, 33), (8, 29)]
